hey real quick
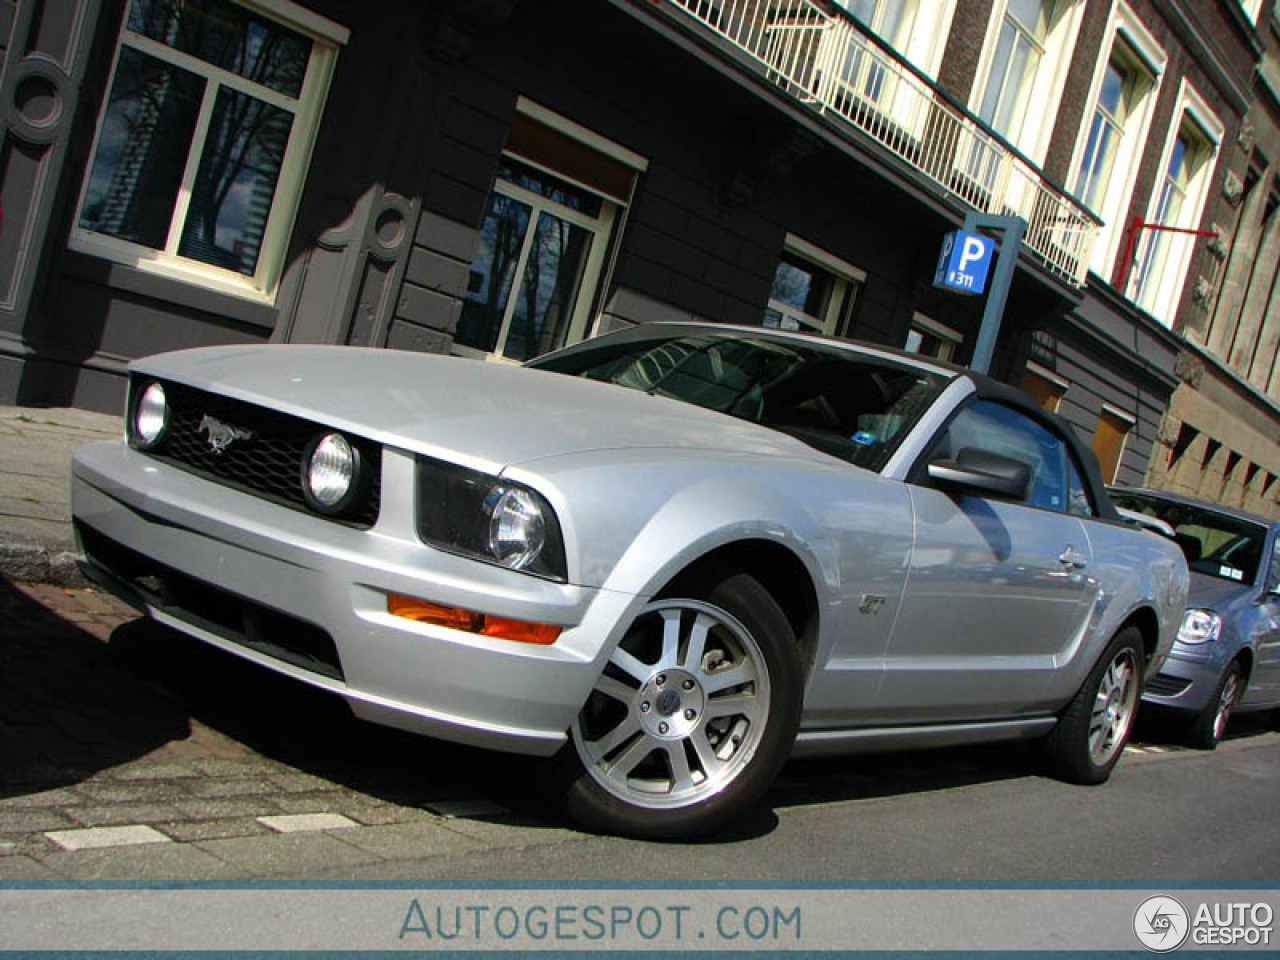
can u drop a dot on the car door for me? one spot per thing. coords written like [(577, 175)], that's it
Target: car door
[(998, 590), (1264, 685)]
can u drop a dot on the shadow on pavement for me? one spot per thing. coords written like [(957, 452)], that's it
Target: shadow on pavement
[(67, 710)]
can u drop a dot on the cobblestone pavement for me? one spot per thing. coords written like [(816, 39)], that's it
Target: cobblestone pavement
[(130, 751)]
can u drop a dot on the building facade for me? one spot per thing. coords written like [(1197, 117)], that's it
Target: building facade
[(496, 178)]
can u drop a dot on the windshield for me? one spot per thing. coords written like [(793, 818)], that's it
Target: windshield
[(854, 407), (1214, 544)]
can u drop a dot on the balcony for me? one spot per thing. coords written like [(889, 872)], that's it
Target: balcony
[(823, 58)]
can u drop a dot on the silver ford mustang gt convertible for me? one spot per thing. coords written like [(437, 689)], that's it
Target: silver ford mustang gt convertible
[(672, 556)]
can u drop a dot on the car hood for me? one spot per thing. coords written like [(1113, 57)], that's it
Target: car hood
[(1214, 593), (483, 414)]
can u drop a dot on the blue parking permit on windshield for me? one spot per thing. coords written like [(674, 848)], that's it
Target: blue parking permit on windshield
[(864, 439)]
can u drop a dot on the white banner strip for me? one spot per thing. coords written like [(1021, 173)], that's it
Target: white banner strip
[(642, 918)]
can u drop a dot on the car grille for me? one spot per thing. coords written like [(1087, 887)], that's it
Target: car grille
[(1163, 685), (268, 462), (220, 612)]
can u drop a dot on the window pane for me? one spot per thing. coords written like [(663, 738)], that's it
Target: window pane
[(1005, 431), (549, 291), (492, 272), (236, 182), (553, 188), (142, 151), (227, 36)]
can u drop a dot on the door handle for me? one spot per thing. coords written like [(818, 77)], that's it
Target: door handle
[(1071, 557)]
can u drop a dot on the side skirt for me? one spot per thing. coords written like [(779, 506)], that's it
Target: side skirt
[(821, 743)]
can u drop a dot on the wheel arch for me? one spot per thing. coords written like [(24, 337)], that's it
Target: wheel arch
[(778, 570), (1147, 623)]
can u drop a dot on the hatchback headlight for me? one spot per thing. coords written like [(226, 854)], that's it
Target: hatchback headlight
[(488, 518), (1199, 626), (150, 420)]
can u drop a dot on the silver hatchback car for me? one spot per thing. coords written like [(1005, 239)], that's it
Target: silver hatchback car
[(673, 556), (1227, 655)]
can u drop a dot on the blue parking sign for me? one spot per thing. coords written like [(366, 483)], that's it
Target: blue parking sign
[(964, 262)]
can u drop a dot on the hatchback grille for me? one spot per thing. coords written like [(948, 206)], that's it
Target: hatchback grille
[(266, 459)]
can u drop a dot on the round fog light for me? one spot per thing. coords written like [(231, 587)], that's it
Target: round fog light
[(151, 417), (329, 477)]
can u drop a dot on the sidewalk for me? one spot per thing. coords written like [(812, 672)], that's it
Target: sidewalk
[(36, 444)]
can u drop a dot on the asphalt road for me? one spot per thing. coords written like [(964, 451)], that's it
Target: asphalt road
[(128, 751)]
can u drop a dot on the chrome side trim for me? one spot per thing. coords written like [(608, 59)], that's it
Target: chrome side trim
[(824, 743)]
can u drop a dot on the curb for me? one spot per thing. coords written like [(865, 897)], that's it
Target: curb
[(27, 562)]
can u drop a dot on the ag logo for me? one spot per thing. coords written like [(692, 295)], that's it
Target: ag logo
[(1161, 923)]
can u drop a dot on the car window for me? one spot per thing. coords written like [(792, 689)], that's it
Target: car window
[(1216, 544), (1273, 580), (996, 428), (854, 406), (1078, 500)]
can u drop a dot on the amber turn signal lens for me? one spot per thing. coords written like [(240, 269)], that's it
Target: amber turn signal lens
[(455, 618)]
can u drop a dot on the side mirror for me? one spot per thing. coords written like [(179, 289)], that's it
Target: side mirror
[(984, 474)]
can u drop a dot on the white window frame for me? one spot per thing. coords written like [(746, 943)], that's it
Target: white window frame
[(1047, 85), (1162, 292), (326, 37), (603, 228), (920, 323), (844, 274), (1123, 26)]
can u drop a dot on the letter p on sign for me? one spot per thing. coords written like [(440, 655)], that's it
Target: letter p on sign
[(964, 262)]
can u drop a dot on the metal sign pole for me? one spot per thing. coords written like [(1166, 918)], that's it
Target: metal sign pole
[(1013, 229)]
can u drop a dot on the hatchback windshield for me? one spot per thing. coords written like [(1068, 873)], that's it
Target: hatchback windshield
[(1214, 543), (847, 404)]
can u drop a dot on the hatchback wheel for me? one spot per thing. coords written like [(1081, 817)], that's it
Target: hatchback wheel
[(1210, 725), (1093, 730), (692, 717)]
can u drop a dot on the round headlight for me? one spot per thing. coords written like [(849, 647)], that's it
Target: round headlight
[(329, 473), (151, 417), (517, 528)]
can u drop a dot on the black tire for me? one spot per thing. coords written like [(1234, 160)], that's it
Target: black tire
[(1091, 733), (1209, 726), (681, 736)]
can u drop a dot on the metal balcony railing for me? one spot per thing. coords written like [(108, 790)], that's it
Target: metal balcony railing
[(822, 57)]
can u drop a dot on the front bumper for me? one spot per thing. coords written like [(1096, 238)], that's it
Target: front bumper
[(292, 592), (1188, 679)]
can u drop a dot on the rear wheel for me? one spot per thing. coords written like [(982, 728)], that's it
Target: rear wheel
[(1210, 725), (692, 717), (1092, 732)]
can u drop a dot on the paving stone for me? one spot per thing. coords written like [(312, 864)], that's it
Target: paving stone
[(302, 822), (172, 861), (405, 841), (335, 800), (300, 782), (96, 837), (7, 849), (466, 808), (188, 831), (238, 787), (33, 820), (223, 767), (493, 833), (377, 816), (131, 791), (226, 809), (144, 770), (114, 814), (296, 854), (24, 868)]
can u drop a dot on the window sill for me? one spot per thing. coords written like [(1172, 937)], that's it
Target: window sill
[(118, 276)]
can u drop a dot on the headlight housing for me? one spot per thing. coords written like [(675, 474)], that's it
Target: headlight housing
[(149, 417), (1199, 626), (489, 518), (332, 474)]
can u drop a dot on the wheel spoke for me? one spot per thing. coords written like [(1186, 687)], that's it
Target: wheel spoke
[(630, 665), (615, 689), (692, 660), (631, 757), (742, 704), (681, 775), (707, 759), (670, 638), (724, 679), (616, 737)]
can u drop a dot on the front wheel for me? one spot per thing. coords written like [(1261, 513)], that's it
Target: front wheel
[(1210, 725), (692, 717), (1092, 732)]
